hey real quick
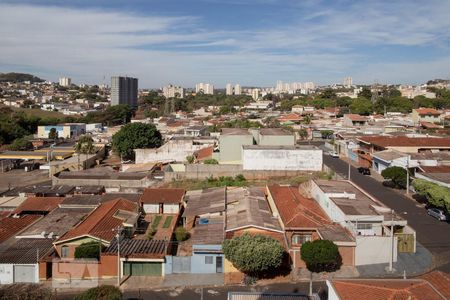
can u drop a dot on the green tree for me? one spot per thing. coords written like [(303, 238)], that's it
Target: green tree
[(397, 175), (103, 292), (326, 134), (21, 144), (211, 161), (86, 146), (190, 159), (321, 256), (303, 133), (253, 254), (365, 93), (361, 106), (53, 134), (181, 234), (135, 136), (88, 250), (438, 196)]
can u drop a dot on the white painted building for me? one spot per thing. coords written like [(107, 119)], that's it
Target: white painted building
[(65, 81), (292, 158), (172, 91), (206, 88), (229, 89)]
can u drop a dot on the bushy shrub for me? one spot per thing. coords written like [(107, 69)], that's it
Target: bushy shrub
[(88, 250), (181, 234), (103, 292), (321, 256)]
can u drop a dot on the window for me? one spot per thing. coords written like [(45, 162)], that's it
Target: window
[(301, 238), (209, 260), (364, 226), (65, 251)]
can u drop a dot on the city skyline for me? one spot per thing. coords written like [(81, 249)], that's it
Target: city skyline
[(254, 43)]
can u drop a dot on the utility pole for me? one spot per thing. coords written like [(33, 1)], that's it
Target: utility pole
[(407, 175), (119, 231), (391, 259)]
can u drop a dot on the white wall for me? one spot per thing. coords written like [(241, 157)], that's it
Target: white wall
[(6, 273), (374, 250), (176, 150), (151, 208), (171, 208), (331, 209), (332, 294), (282, 159)]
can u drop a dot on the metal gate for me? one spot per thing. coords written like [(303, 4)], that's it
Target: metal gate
[(24, 274), (181, 264), (405, 243)]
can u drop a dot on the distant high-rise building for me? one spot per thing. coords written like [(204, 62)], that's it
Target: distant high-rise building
[(172, 91), (124, 90), (229, 89), (237, 89), (206, 88), (255, 94), (65, 81), (348, 81)]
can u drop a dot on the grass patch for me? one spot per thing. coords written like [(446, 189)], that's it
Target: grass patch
[(40, 113), (190, 184), (156, 221), (167, 222)]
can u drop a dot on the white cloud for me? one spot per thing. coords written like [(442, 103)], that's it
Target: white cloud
[(324, 45)]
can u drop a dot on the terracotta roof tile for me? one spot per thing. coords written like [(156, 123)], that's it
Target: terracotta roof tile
[(101, 222), (356, 117), (374, 289), (436, 169), (39, 204), (440, 281), (296, 210), (427, 111), (162, 195), (404, 141), (204, 153), (290, 117), (11, 226)]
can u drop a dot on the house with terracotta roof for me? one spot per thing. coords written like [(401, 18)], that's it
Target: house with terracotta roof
[(291, 118), (430, 115), (99, 226), (302, 220), (38, 205), (162, 200), (354, 120), (432, 286), (405, 144), (436, 174)]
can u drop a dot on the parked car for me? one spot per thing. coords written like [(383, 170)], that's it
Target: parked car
[(438, 214), (364, 171), (333, 154)]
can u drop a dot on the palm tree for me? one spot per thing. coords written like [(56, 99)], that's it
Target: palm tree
[(84, 145)]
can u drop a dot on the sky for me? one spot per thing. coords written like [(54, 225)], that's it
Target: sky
[(251, 42)]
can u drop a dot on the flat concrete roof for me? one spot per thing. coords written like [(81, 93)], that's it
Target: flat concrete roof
[(235, 131), (274, 131), (280, 147)]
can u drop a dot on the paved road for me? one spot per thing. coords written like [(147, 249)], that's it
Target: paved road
[(215, 293), (432, 234)]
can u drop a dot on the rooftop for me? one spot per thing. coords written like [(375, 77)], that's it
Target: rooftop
[(101, 173), (204, 201), (162, 195), (427, 111), (374, 289), (235, 131), (250, 209), (138, 248), (389, 155), (57, 222), (38, 204), (10, 226), (355, 117), (404, 141), (25, 251), (280, 147), (274, 131), (295, 210), (102, 221)]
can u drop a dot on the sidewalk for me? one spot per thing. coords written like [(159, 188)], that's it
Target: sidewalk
[(173, 280)]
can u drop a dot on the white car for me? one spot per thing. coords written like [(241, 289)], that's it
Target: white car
[(333, 154)]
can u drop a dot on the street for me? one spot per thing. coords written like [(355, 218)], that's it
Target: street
[(432, 234), (216, 293)]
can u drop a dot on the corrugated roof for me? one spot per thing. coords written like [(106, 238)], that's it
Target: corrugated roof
[(404, 141), (265, 296), (138, 248), (101, 222), (162, 195), (25, 251), (204, 201)]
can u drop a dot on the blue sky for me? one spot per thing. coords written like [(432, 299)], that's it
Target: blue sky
[(251, 42)]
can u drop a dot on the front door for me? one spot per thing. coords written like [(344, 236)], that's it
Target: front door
[(219, 267)]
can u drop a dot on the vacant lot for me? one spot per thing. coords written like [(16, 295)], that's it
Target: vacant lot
[(40, 113)]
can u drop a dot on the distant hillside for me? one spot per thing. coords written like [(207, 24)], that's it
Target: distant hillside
[(18, 77)]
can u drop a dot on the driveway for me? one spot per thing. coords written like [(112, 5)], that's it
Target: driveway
[(432, 234)]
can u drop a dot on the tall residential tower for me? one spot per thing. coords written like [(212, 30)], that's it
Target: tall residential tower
[(124, 90)]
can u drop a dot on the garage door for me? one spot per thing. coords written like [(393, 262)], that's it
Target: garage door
[(24, 273), (142, 269)]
